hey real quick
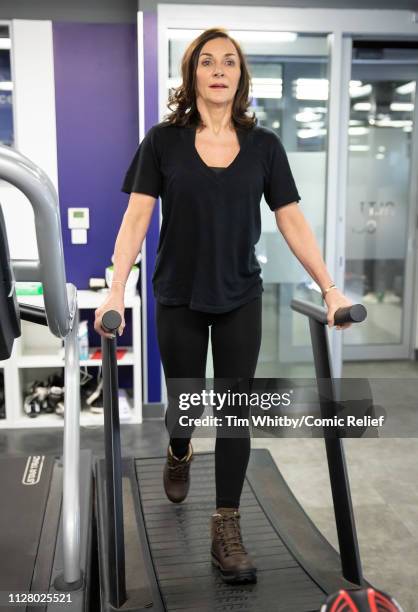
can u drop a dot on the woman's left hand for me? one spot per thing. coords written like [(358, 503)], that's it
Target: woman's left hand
[(334, 300)]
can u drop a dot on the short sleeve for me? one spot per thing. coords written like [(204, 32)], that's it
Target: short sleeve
[(144, 174), (279, 185)]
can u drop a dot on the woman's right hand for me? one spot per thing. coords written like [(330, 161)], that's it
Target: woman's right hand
[(112, 302)]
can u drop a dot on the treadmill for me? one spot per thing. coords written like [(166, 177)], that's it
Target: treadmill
[(155, 555), (46, 501)]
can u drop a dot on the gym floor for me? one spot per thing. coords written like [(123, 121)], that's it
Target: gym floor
[(383, 474)]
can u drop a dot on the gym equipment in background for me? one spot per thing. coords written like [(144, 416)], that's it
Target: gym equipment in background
[(46, 500)]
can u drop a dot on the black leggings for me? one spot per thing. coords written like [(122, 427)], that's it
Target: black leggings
[(183, 336)]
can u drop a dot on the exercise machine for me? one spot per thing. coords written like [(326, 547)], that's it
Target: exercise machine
[(155, 555), (46, 501)]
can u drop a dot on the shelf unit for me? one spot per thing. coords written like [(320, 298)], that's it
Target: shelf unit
[(38, 349)]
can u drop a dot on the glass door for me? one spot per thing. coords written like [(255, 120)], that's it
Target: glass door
[(381, 203), (297, 110)]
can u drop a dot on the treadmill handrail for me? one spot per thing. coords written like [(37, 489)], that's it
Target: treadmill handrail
[(62, 315), (337, 467), (309, 309), (355, 313), (21, 172)]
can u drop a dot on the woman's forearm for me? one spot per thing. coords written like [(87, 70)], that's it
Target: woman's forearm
[(302, 242), (127, 246)]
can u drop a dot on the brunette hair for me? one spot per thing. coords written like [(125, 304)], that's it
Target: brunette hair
[(182, 99)]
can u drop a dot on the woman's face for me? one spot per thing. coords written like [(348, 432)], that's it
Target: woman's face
[(218, 64)]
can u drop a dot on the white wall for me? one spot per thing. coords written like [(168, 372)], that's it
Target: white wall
[(34, 125)]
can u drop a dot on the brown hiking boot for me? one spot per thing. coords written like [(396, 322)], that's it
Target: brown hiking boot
[(228, 551), (176, 475)]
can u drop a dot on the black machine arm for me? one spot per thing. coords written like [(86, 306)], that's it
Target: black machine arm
[(340, 486), (111, 321), (349, 314), (34, 314)]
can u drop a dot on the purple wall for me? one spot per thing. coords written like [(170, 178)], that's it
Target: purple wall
[(96, 97), (97, 133)]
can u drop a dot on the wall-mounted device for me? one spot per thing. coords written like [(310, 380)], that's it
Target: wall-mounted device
[(78, 223)]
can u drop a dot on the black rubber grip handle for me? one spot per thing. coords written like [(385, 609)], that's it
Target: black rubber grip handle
[(350, 314), (111, 321)]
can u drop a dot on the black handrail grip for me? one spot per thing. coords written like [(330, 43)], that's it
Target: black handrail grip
[(348, 314)]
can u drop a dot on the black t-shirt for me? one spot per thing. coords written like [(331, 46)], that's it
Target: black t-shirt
[(211, 219)]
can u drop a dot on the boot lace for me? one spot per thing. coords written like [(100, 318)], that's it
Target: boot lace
[(179, 470), (228, 528)]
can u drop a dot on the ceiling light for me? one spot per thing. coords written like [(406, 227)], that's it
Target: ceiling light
[(242, 35), (402, 106), (359, 147), (362, 106), (395, 123), (407, 88), (358, 131), (311, 89), (359, 91), (264, 87), (307, 115), (311, 133)]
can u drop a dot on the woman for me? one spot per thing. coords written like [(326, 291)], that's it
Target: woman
[(211, 163)]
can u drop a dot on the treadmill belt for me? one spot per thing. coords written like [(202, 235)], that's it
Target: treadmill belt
[(179, 539)]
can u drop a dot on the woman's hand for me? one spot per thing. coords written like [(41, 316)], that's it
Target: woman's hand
[(334, 299), (112, 302)]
